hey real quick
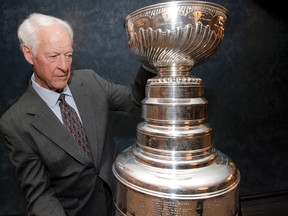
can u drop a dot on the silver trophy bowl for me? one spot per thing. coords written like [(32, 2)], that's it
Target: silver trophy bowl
[(176, 35), (173, 168)]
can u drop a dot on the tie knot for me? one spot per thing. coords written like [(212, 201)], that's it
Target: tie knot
[(62, 97)]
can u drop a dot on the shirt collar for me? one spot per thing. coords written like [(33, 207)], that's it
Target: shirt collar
[(50, 97)]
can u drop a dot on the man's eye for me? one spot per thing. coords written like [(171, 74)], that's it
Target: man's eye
[(68, 57)]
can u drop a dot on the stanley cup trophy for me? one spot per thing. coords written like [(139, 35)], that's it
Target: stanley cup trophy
[(173, 168)]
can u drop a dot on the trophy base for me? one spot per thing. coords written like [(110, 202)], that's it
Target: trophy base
[(134, 203), (144, 189)]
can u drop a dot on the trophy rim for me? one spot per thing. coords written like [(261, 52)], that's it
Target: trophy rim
[(178, 3)]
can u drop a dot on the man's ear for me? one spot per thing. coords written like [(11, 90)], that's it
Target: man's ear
[(27, 51)]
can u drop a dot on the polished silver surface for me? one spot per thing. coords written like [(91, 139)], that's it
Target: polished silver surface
[(173, 168), (176, 35)]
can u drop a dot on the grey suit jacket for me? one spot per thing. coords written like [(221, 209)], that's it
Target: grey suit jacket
[(55, 175)]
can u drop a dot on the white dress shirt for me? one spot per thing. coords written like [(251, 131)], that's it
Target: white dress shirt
[(51, 98)]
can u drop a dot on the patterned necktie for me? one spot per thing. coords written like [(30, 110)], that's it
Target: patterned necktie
[(72, 122)]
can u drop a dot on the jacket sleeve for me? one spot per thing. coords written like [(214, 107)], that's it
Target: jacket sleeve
[(124, 98), (140, 82), (31, 174)]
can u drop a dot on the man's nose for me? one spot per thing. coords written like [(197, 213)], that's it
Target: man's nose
[(62, 62)]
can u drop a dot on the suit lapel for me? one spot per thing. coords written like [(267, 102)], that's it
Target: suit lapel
[(88, 116), (50, 126), (87, 113)]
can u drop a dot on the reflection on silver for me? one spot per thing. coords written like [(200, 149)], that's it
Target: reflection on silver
[(173, 168)]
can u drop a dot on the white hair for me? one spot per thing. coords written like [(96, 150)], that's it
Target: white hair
[(28, 30)]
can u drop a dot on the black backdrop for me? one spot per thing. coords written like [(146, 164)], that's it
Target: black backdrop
[(245, 81)]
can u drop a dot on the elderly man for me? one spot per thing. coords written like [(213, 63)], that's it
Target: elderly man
[(64, 169)]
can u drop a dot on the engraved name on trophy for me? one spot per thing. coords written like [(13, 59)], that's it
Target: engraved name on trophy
[(173, 168)]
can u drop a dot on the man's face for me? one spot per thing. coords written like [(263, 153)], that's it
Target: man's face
[(52, 62)]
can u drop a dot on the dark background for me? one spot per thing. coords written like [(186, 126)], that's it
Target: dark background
[(245, 81)]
